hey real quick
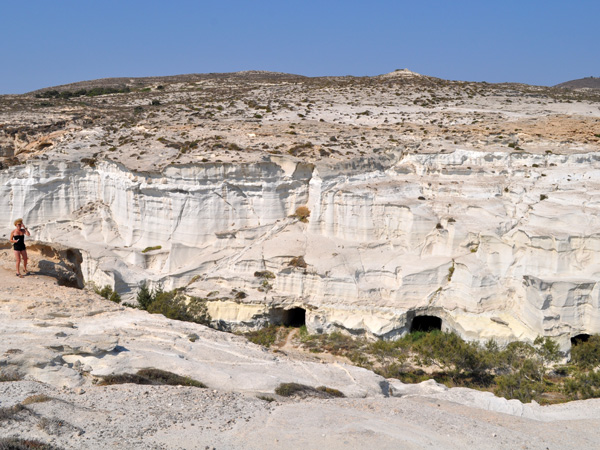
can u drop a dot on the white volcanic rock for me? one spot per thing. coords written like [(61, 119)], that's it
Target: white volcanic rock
[(498, 245), (58, 338), (471, 202), (64, 337)]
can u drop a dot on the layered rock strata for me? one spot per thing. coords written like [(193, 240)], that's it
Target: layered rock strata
[(464, 206), (498, 245)]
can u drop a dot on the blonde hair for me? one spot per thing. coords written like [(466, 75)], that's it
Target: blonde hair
[(18, 221)]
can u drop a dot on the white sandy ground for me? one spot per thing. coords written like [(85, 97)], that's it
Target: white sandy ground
[(59, 338)]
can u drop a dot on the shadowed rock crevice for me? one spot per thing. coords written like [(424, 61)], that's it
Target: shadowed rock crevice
[(578, 339), (426, 324), (294, 317)]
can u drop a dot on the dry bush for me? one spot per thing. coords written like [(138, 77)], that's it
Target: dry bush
[(38, 398), (10, 412), (303, 391), (151, 376), (298, 261), (302, 213), (15, 443)]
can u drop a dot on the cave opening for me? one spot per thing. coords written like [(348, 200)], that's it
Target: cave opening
[(575, 340), (426, 324), (294, 317)]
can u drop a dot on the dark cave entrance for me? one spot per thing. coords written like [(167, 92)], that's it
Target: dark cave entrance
[(426, 324), (576, 340), (294, 317)]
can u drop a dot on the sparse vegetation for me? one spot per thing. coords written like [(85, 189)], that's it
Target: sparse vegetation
[(330, 391), (298, 261), (52, 425), (268, 335), (149, 249), (144, 296), (93, 92), (151, 376), (107, 292), (519, 370), (303, 391), (10, 412), (37, 398), (9, 375), (302, 213), (16, 443), (451, 271), (586, 355), (173, 304), (266, 274)]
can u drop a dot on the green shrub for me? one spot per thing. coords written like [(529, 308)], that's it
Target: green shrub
[(586, 355), (173, 304), (176, 306), (518, 370), (459, 359), (108, 293), (149, 249), (547, 350), (583, 386), (517, 385), (144, 296), (266, 336)]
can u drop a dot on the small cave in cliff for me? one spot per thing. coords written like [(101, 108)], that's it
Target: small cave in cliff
[(426, 324), (576, 340), (294, 317)]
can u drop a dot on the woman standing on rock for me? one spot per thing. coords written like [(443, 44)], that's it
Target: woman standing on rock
[(17, 238)]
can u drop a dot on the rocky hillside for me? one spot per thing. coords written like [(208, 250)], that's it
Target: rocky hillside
[(346, 203), (588, 82)]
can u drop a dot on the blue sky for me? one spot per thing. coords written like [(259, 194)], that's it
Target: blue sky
[(47, 43)]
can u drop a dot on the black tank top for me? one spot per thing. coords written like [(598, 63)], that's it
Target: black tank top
[(19, 246)]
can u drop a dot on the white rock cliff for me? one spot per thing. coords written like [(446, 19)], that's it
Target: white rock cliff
[(498, 245), (469, 202)]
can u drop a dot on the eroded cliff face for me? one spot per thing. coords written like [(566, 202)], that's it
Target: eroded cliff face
[(467, 206), (498, 245)]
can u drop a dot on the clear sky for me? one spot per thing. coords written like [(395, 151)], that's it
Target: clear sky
[(47, 43)]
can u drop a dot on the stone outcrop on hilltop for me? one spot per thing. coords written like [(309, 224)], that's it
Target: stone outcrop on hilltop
[(437, 215)]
